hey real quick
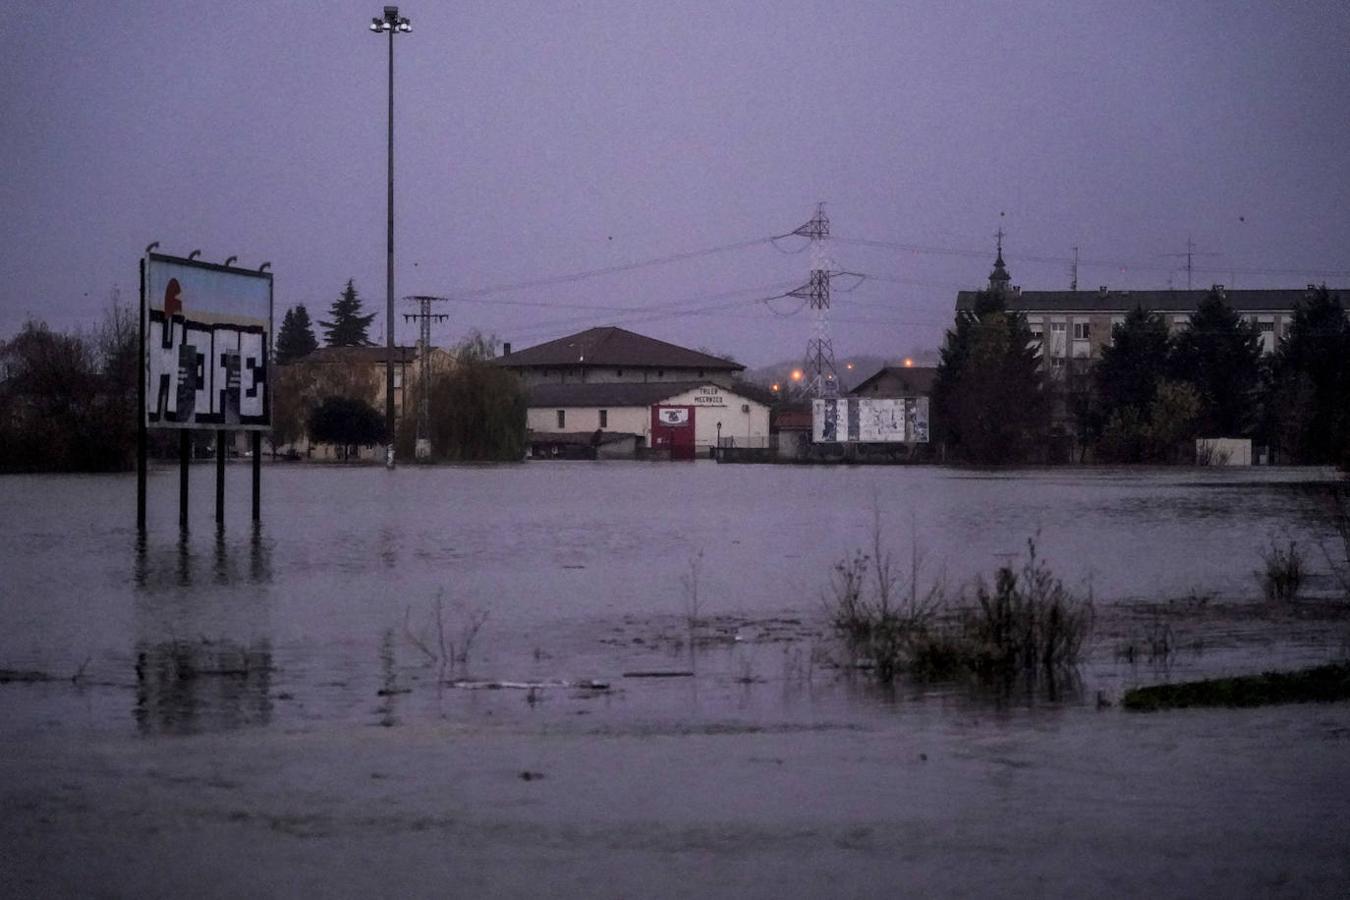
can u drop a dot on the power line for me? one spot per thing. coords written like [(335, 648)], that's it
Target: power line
[(566, 278)]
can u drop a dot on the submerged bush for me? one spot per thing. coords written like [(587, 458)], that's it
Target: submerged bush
[(1028, 624), (1029, 621), (1283, 573)]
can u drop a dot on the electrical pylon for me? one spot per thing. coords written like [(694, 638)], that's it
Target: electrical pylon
[(820, 379)]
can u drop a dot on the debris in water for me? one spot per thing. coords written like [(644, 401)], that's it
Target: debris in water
[(679, 673)]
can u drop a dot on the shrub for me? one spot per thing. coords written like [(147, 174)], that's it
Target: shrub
[(1283, 573)]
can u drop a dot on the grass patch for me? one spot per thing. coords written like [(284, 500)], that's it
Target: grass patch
[(1320, 684)]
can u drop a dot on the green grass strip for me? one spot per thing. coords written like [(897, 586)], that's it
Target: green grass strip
[(1320, 684)]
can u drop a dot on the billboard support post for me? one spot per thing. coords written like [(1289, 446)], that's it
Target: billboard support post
[(257, 476), (184, 457), (141, 436), (221, 438)]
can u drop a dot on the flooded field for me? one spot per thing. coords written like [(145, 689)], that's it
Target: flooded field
[(276, 711)]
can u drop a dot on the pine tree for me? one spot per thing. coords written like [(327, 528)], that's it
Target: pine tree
[(1308, 405), (1220, 356), (989, 397), (296, 337), (1131, 367), (348, 327)]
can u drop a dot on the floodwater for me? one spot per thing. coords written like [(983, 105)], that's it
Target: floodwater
[(264, 712)]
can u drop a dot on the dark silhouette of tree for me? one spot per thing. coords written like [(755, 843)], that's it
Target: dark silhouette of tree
[(1220, 356), (347, 327), (989, 397), (67, 403), (477, 408), (296, 338), (1130, 368), (346, 423), (1308, 405)]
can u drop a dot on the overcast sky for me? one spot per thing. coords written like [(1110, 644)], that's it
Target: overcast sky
[(540, 139)]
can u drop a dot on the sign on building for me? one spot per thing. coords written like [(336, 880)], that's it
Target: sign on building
[(869, 420), (208, 336)]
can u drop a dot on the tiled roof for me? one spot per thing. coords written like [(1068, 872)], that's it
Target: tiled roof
[(618, 393), (1123, 301), (613, 346), (914, 380)]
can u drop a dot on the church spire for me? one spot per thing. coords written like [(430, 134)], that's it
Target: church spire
[(999, 278)]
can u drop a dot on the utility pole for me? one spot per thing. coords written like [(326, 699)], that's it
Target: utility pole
[(1073, 283), (424, 317), (1190, 255), (394, 24)]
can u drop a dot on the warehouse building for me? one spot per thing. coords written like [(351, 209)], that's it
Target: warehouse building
[(611, 393)]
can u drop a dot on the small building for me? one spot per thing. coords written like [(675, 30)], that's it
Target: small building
[(678, 419), (890, 382)]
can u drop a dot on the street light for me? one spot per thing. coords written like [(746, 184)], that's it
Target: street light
[(393, 23)]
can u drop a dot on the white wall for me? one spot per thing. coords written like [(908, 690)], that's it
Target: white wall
[(713, 404), (717, 404)]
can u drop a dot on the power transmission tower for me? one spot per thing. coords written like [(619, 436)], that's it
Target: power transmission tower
[(424, 317), (820, 378)]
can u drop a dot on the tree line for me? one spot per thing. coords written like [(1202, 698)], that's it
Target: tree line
[(68, 400), (1152, 392)]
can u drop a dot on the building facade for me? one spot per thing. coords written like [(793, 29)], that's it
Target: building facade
[(589, 393)]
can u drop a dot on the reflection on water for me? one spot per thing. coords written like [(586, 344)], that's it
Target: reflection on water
[(157, 566), (184, 687)]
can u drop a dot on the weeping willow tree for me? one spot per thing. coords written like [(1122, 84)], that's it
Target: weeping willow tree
[(476, 409)]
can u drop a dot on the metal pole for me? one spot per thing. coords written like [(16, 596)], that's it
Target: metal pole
[(389, 283), (221, 437), (184, 457), (141, 437), (257, 476)]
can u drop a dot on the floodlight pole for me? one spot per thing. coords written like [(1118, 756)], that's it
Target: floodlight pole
[(392, 23)]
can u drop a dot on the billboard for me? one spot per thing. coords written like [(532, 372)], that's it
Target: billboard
[(208, 337), (870, 420)]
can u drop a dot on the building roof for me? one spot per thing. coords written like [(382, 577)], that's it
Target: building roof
[(914, 380), (613, 346), (613, 394), (1163, 301)]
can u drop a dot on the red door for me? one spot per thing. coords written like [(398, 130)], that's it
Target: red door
[(673, 429)]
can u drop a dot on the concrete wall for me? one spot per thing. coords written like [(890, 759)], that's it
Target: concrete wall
[(586, 419)]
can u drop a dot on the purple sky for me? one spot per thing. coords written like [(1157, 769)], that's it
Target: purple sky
[(539, 139)]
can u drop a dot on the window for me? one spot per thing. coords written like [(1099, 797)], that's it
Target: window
[(1082, 331), (562, 418), (660, 373), (618, 373), (1057, 330), (604, 418), (700, 373)]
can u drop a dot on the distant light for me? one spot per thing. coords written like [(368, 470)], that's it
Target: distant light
[(909, 363), (848, 365), (775, 387)]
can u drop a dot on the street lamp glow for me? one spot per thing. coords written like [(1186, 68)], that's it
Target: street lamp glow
[(909, 363), (796, 374)]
